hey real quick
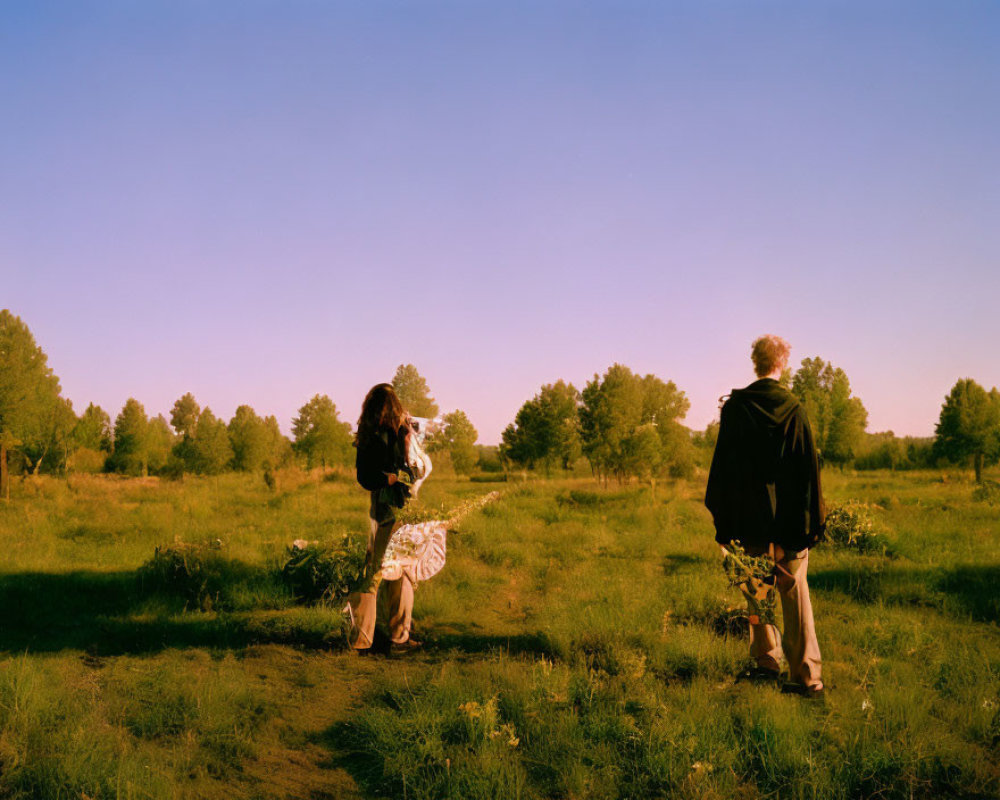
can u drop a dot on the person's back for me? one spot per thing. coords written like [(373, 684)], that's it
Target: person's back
[(764, 494), (764, 484)]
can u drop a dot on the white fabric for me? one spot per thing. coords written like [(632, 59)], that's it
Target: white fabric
[(416, 457), (419, 550)]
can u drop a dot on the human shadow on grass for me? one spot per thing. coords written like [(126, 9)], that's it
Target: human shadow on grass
[(108, 613), (349, 747), (117, 613), (468, 638), (679, 562), (966, 590)]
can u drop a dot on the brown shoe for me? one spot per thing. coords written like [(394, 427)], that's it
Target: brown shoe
[(759, 675), (814, 691), (402, 648)]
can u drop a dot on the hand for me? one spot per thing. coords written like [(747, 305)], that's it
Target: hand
[(391, 478)]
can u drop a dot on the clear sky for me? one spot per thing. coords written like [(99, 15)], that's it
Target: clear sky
[(261, 201)]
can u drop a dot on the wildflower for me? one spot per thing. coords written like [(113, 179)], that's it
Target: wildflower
[(472, 709), (507, 731), (866, 705), (754, 576)]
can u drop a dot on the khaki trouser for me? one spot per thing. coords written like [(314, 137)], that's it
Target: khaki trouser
[(396, 596), (798, 643)]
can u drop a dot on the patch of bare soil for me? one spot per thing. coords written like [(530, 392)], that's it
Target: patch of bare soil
[(313, 691)]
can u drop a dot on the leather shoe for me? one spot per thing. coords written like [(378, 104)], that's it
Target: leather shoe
[(402, 648)]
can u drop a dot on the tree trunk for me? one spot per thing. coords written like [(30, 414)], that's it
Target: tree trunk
[(977, 464), (4, 476)]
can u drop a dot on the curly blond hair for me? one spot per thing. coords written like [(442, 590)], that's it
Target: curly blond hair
[(769, 353)]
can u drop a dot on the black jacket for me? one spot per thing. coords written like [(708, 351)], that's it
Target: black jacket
[(380, 454), (764, 482)]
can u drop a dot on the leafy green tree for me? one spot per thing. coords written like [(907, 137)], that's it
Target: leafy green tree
[(679, 452), (184, 418), (885, 450), (278, 448), (615, 416), (546, 429), (611, 412), (319, 435), (91, 440), (61, 444), (130, 454), (32, 412), (838, 419), (210, 449), (459, 439), (249, 437), (643, 454), (882, 450), (706, 439), (489, 459), (969, 426), (184, 415), (413, 392), (93, 429), (662, 402), (159, 443)]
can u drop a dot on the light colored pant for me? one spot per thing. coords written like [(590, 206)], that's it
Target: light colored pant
[(798, 643), (396, 596)]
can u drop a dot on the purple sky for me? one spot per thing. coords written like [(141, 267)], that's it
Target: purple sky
[(261, 201)]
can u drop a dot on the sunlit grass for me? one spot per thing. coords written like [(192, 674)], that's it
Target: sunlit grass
[(582, 643)]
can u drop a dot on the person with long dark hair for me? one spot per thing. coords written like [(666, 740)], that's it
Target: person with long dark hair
[(382, 441)]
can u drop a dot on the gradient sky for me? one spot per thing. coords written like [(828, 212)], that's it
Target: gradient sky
[(261, 201)]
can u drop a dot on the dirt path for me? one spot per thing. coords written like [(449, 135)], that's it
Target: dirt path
[(315, 692)]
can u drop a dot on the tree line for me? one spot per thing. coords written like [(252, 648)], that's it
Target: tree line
[(40, 432), (625, 425), (629, 425)]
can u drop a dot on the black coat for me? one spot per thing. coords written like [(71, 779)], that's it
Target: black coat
[(764, 483), (383, 453)]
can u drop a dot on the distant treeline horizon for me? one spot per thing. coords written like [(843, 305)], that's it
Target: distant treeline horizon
[(624, 425)]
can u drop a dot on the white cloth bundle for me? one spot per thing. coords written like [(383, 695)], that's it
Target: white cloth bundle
[(418, 550), (416, 457)]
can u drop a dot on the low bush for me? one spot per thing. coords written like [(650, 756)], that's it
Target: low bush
[(852, 525), (324, 573), (987, 492), (591, 499), (206, 579)]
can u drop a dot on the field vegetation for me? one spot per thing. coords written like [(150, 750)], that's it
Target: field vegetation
[(582, 642)]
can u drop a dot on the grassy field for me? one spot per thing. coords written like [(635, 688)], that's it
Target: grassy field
[(582, 643)]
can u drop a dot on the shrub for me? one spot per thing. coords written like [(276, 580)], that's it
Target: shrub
[(207, 579), (324, 573), (591, 499), (191, 571), (87, 460), (987, 492), (489, 477), (852, 525)]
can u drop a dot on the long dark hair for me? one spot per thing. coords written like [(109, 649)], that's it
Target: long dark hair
[(381, 410)]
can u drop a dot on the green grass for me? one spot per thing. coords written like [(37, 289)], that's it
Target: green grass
[(582, 643)]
